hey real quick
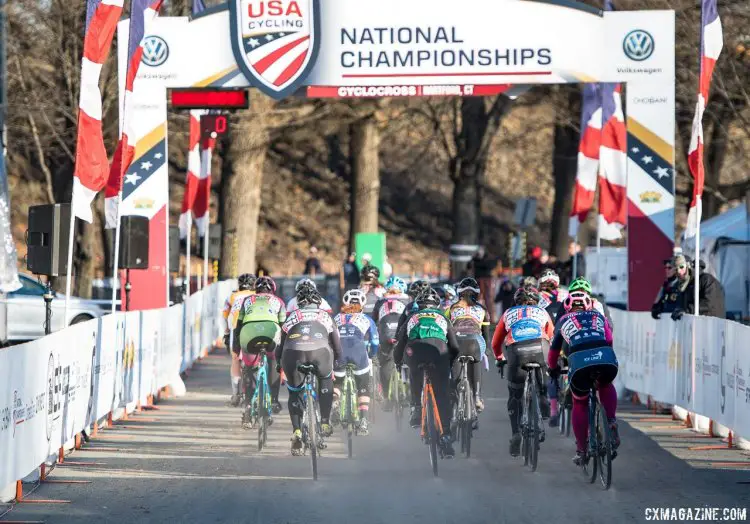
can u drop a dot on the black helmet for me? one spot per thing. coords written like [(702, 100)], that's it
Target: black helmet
[(307, 296), (417, 287), (370, 272), (526, 296), (469, 286), (265, 284), (246, 281), (428, 299)]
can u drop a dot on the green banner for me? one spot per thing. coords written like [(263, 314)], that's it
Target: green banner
[(372, 244)]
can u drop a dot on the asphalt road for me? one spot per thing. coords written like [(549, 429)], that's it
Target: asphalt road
[(191, 462)]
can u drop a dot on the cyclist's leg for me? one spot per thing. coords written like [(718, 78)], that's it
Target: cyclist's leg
[(580, 385), (362, 379), (415, 355), (294, 382), (440, 378), (323, 360), (274, 380), (608, 400), (387, 366)]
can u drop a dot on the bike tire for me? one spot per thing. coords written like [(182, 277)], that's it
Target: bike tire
[(590, 466), (262, 414), (349, 419), (562, 422), (395, 390), (525, 430), (568, 421), (468, 422), (535, 430), (605, 448), (432, 436), (312, 433)]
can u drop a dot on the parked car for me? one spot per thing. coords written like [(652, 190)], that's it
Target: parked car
[(22, 311)]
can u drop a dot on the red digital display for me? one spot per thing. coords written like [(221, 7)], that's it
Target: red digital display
[(210, 99), (210, 124)]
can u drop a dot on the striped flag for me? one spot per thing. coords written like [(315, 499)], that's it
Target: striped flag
[(92, 163), (193, 172), (613, 165), (588, 157), (203, 191), (712, 40), (142, 14)]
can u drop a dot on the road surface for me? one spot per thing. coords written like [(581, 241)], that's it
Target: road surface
[(191, 462)]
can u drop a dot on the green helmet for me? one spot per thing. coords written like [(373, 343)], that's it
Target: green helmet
[(580, 284)]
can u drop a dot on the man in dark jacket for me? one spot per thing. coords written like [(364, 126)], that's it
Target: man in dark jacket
[(483, 266), (710, 291), (666, 302), (351, 272)]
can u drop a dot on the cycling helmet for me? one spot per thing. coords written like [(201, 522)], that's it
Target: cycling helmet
[(580, 284), (428, 298), (549, 279), (526, 296), (396, 283), (468, 285), (450, 291), (305, 282), (578, 298), (307, 296), (417, 287), (370, 272), (265, 284), (529, 282), (354, 296), (246, 281)]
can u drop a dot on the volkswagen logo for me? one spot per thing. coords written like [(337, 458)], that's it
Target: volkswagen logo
[(155, 51), (638, 45)]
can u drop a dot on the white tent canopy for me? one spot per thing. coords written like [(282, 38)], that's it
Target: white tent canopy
[(725, 248)]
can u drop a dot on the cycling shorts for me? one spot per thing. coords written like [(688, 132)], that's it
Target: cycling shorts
[(587, 365), (255, 336)]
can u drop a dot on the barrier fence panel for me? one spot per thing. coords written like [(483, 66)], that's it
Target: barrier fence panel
[(59, 385), (656, 360)]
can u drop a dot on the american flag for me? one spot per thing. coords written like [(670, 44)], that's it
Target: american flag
[(203, 191), (142, 14), (588, 157), (277, 56), (193, 172), (613, 158), (712, 40), (92, 163)]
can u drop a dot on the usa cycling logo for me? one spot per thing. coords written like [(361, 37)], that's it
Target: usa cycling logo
[(638, 45), (155, 51)]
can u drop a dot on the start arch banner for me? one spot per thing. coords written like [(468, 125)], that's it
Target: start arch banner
[(369, 48)]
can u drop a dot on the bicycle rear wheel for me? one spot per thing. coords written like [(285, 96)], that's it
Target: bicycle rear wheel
[(468, 422), (568, 421), (433, 437), (534, 426), (592, 462), (526, 426), (312, 430), (262, 414), (349, 418), (605, 448), (395, 397)]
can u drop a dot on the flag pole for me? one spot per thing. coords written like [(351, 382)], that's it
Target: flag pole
[(69, 275), (115, 263), (187, 259)]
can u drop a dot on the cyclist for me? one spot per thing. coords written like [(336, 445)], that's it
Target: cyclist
[(450, 296), (260, 318), (309, 336), (386, 314), (356, 330), (472, 323), (524, 329), (584, 335), (551, 299), (428, 338), (245, 282), (583, 285), (306, 282), (371, 287)]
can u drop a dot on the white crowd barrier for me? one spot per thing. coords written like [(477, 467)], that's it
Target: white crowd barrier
[(53, 388), (656, 358)]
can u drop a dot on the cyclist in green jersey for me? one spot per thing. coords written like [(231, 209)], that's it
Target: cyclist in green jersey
[(259, 326)]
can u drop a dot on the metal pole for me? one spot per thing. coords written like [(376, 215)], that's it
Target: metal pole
[(128, 287), (48, 297), (69, 276), (188, 261), (696, 277)]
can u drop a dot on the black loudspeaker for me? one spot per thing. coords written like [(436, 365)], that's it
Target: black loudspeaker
[(47, 239), (214, 242), (133, 242), (174, 249)]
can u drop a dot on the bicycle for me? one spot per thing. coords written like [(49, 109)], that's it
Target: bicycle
[(432, 427), (312, 434), (375, 386), (349, 413), (565, 403), (464, 409), (398, 393), (260, 404), (532, 427), (600, 446)]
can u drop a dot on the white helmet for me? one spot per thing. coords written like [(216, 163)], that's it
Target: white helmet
[(303, 283), (354, 296)]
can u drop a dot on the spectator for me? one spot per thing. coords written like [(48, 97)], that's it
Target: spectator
[(505, 295), (351, 272), (387, 268), (666, 302), (533, 265), (482, 265), (710, 293), (574, 251), (312, 264)]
